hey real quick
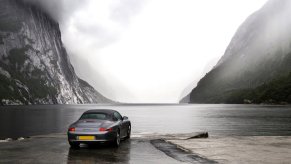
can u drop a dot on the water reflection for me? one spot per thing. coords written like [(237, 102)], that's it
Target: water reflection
[(25, 121), (100, 153)]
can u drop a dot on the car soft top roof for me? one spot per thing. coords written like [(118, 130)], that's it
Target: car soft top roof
[(107, 111)]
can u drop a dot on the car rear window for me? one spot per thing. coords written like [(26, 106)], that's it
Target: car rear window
[(98, 116)]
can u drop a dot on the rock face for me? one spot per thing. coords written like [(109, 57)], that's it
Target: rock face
[(259, 52), (185, 100), (34, 65)]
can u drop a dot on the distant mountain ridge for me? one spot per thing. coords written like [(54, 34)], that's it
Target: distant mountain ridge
[(34, 65), (258, 54)]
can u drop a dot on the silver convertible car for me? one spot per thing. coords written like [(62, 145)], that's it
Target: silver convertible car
[(100, 125)]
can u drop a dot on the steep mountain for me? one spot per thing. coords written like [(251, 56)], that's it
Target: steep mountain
[(185, 99), (34, 65), (259, 53)]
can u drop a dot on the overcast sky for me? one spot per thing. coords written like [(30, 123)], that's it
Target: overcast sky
[(147, 51)]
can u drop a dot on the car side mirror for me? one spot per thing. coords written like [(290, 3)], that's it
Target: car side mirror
[(125, 118)]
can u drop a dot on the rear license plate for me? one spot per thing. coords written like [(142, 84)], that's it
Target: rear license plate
[(86, 137)]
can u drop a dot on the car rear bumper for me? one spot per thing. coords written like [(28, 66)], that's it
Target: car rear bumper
[(104, 137)]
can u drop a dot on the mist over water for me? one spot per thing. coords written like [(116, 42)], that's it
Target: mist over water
[(263, 40), (146, 51)]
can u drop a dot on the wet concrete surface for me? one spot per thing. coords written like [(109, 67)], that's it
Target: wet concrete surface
[(179, 154), (56, 150), (150, 150), (241, 149)]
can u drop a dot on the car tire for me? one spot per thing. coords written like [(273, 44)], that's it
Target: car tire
[(74, 144), (128, 132), (117, 140)]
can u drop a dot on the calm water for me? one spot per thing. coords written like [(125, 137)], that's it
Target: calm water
[(25, 121)]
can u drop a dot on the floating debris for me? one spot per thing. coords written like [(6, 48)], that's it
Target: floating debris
[(20, 138), (8, 139)]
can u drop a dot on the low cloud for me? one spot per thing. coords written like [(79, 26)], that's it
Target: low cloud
[(145, 50), (58, 9)]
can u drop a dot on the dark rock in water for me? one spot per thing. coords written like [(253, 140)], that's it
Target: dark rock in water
[(201, 135), (34, 65), (259, 52)]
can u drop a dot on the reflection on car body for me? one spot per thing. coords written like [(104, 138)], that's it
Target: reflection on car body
[(100, 125)]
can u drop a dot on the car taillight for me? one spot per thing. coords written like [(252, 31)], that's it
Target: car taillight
[(104, 129), (72, 129)]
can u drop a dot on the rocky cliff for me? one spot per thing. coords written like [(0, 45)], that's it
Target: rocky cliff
[(34, 65), (260, 52)]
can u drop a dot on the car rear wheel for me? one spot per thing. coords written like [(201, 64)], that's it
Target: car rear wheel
[(128, 132), (116, 141), (74, 144)]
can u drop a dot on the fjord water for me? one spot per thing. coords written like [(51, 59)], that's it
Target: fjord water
[(246, 120)]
